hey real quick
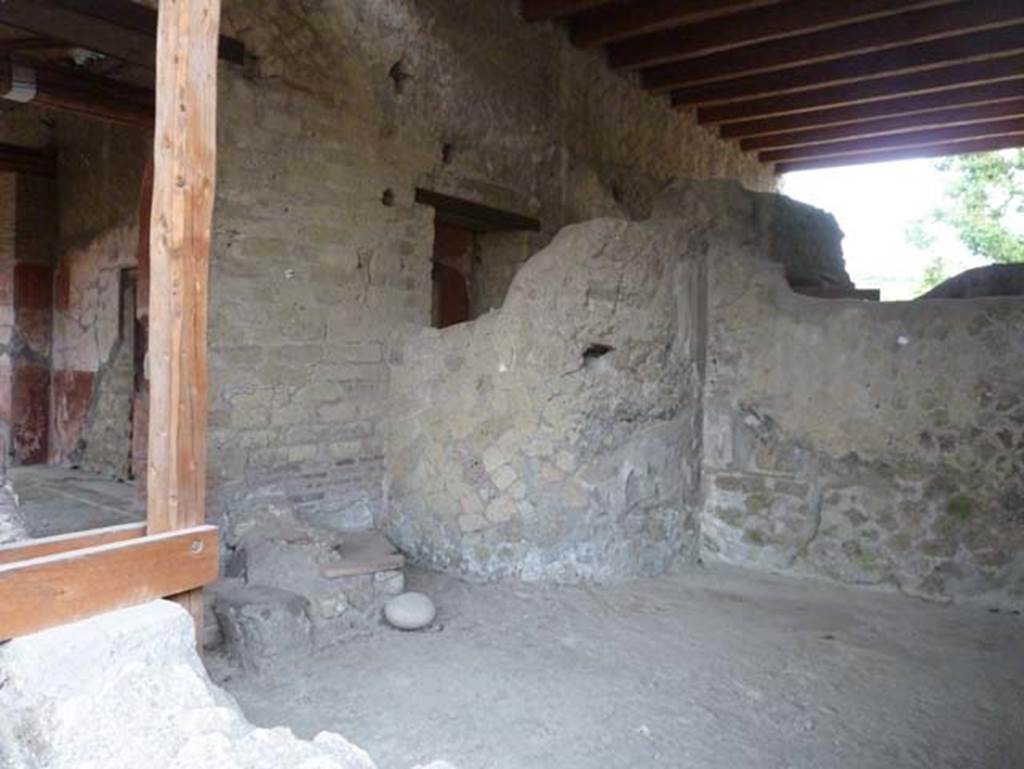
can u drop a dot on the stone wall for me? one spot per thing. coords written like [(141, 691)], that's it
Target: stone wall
[(555, 437), (322, 259), (878, 444)]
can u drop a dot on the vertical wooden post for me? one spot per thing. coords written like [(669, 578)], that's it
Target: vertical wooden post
[(184, 157)]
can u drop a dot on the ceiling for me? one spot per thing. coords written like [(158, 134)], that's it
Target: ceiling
[(804, 84)]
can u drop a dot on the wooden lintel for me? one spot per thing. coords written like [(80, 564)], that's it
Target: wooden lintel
[(475, 216), (122, 29), (967, 98), (759, 25), (27, 160), (922, 138), (909, 39), (620, 21), (953, 116), (67, 586), (989, 144), (891, 86)]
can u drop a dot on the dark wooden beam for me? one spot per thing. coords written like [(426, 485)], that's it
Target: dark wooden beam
[(922, 138), (892, 86), (64, 89), (861, 67), (621, 21), (953, 116), (474, 216), (895, 42), (119, 28), (27, 160), (920, 104), (759, 25), (971, 146), (539, 10)]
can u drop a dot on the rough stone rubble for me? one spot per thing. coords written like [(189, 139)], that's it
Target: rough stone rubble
[(126, 689)]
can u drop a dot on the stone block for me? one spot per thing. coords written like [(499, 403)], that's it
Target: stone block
[(261, 624)]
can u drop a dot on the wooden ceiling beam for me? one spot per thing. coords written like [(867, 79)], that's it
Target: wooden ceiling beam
[(922, 138), (885, 108), (759, 25), (904, 38), (864, 66), (954, 116), (618, 22), (86, 94), (990, 144), (956, 75), (121, 29), (27, 160), (541, 10)]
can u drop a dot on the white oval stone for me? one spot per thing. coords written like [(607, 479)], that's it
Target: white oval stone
[(410, 611)]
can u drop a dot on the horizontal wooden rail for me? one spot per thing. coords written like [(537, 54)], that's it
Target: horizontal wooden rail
[(68, 586), (62, 543)]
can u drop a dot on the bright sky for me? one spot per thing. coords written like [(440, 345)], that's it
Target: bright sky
[(874, 204)]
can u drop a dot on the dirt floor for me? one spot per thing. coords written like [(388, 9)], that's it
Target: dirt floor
[(717, 668), (58, 500)]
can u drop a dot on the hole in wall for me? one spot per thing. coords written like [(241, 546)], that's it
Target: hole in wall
[(595, 351), (447, 153), (398, 75), (388, 198)]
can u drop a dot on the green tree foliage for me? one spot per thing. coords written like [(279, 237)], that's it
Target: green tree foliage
[(983, 205)]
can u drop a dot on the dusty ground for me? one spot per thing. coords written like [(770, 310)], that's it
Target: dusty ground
[(57, 500), (720, 668)]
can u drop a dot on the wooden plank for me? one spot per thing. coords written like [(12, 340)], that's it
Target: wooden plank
[(184, 173), (953, 116), (62, 543), (122, 29), (871, 38), (922, 56), (990, 144), (919, 104), (87, 95), (364, 552), (27, 160), (539, 10), (956, 75), (621, 21), (65, 587), (475, 216), (923, 138), (756, 26)]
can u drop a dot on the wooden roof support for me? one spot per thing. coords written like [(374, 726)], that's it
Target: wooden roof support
[(967, 147), (966, 97), (539, 10), (922, 138), (26, 160), (184, 173), (119, 28), (974, 72), (954, 116), (865, 65), (86, 94), (759, 25), (884, 40), (621, 21)]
